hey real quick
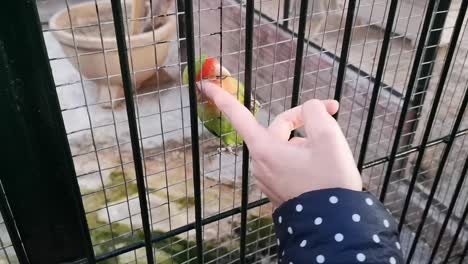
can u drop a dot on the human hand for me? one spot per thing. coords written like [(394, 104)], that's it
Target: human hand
[(285, 168)]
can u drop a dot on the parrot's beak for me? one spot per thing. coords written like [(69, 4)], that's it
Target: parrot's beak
[(221, 71)]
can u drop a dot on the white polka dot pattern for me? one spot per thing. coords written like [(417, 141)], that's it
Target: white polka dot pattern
[(361, 257), (376, 238), (386, 223), (356, 218), (339, 237), (320, 259), (318, 221), (336, 227), (299, 208), (397, 244), (303, 243)]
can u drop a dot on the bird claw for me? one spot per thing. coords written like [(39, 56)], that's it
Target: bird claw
[(227, 149)]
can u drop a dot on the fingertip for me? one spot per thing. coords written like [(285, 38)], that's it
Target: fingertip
[(207, 88), (312, 105), (332, 106)]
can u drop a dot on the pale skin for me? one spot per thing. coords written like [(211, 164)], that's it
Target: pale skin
[(285, 168)]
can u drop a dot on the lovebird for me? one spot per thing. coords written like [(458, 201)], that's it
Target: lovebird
[(209, 69)]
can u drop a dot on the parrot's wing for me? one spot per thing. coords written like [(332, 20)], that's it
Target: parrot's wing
[(221, 127)]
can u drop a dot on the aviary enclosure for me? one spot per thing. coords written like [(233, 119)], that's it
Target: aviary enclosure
[(105, 161)]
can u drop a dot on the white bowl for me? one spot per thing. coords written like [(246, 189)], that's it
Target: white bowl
[(101, 69)]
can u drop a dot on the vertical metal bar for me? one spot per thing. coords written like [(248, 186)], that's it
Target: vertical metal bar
[(299, 53), (456, 125), (461, 224), (345, 46), (249, 30), (428, 61), (377, 82), (190, 42), (4, 207), (450, 209), (35, 147), (11, 226), (132, 123), (286, 7), (464, 253), (182, 35), (407, 101)]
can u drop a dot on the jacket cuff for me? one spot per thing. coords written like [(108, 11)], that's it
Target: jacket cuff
[(338, 225)]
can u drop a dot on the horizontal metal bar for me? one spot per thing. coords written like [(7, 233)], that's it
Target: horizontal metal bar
[(413, 149)]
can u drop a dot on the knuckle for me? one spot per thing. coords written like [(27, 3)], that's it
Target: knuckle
[(325, 131)]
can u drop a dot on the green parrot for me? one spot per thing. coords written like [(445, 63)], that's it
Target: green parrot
[(209, 69)]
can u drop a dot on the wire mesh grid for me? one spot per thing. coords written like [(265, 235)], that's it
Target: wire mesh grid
[(7, 252), (98, 130)]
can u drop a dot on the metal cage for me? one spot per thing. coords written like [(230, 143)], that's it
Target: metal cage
[(89, 181)]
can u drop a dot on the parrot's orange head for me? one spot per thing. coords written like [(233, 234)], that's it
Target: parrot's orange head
[(206, 68)]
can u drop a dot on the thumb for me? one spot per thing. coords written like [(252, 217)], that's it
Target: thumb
[(317, 117), (331, 106)]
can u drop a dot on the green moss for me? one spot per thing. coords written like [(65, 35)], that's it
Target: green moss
[(176, 250), (173, 250), (169, 251), (93, 201), (186, 202), (259, 238), (118, 190), (115, 191)]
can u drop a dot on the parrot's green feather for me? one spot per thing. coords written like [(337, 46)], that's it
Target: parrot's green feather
[(199, 61), (221, 127)]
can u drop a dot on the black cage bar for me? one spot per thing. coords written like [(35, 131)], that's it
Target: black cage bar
[(50, 187)]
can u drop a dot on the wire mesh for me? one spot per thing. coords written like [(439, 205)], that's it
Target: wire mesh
[(299, 50), (7, 252)]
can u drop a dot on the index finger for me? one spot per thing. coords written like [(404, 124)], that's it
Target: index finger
[(239, 116)]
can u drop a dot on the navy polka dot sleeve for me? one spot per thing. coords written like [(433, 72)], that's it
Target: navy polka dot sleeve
[(336, 226)]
